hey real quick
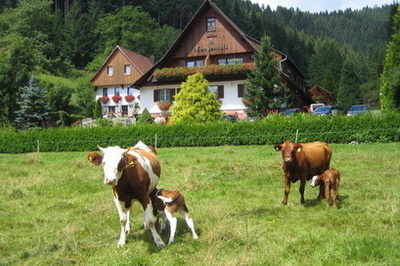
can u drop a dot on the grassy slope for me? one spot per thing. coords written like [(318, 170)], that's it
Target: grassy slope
[(54, 209)]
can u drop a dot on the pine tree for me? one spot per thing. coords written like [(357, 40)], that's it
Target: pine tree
[(194, 103), (97, 109), (349, 85), (325, 65), (33, 108), (264, 90), (390, 83), (145, 118)]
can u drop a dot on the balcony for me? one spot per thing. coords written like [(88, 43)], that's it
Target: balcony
[(210, 72)]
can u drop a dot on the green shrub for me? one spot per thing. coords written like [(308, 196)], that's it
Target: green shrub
[(273, 129)]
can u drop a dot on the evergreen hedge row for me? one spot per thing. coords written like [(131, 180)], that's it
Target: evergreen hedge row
[(274, 129)]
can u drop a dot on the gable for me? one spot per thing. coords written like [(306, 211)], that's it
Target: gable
[(199, 42), (118, 61)]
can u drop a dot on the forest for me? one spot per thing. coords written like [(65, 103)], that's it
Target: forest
[(63, 42)]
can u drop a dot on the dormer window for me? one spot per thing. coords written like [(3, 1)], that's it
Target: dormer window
[(210, 24), (127, 69), (110, 71)]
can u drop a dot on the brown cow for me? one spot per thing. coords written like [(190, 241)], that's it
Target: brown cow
[(133, 174), (330, 179), (301, 161), (168, 203)]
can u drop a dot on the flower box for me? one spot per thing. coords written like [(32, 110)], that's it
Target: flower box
[(164, 106), (105, 99), (181, 73), (117, 98), (129, 98)]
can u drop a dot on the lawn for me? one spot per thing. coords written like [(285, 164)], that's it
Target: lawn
[(54, 210)]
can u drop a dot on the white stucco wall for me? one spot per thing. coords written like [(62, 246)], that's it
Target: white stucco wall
[(230, 103)]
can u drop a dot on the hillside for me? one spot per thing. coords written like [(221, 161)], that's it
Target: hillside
[(55, 37)]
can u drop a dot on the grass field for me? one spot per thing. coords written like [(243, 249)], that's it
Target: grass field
[(55, 210)]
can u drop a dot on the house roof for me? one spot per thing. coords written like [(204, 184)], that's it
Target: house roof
[(318, 90), (206, 5), (253, 43), (140, 62)]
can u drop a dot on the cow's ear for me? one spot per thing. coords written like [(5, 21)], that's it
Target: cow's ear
[(298, 147), (278, 147), (129, 160), (95, 158)]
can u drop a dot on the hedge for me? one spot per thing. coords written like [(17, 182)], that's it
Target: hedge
[(274, 129)]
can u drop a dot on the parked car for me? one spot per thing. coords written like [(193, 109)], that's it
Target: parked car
[(292, 111), (314, 106), (230, 118), (327, 110), (358, 109)]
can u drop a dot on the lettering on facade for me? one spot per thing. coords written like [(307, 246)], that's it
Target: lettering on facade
[(219, 48)]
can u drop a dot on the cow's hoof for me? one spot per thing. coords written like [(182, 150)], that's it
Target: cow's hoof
[(160, 244)]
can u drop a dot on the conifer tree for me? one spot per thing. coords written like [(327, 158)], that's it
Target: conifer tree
[(33, 108), (194, 103), (264, 90), (145, 118), (390, 83), (97, 109), (349, 86)]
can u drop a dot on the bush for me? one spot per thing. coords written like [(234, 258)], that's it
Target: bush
[(273, 129)]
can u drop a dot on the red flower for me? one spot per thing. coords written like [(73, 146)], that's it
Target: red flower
[(104, 99), (129, 98), (117, 98)]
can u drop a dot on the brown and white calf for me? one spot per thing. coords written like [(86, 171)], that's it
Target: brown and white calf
[(133, 174), (331, 179), (168, 203)]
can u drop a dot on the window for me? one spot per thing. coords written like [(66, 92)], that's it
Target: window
[(194, 63), (127, 69), (210, 24), (110, 71), (166, 95), (230, 61), (241, 90), (105, 92), (217, 90), (116, 91)]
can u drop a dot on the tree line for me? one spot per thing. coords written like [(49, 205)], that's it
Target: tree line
[(60, 40)]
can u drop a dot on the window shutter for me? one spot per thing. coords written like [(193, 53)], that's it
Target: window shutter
[(240, 90), (156, 96), (220, 92)]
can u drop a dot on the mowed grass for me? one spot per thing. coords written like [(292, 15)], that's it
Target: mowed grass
[(55, 210)]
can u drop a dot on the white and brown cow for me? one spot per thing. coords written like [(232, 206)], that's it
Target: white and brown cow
[(331, 180), (133, 174), (168, 203)]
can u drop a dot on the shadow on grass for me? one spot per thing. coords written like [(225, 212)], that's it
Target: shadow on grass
[(141, 235), (315, 202)]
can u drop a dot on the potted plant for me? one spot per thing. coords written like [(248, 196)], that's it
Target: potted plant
[(105, 99), (129, 98), (117, 98), (164, 105)]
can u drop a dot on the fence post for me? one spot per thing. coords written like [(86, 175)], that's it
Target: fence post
[(155, 140), (297, 136), (37, 145)]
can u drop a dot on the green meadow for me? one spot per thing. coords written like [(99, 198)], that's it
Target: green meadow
[(55, 210)]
